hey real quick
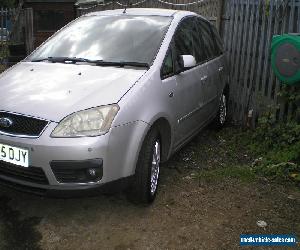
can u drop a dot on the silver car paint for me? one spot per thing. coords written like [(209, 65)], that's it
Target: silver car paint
[(62, 89), (53, 91)]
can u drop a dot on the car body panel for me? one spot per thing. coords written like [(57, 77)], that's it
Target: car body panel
[(115, 165), (191, 93), (212, 86), (53, 90), (62, 89)]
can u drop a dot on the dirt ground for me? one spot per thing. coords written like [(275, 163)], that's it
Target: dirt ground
[(189, 213)]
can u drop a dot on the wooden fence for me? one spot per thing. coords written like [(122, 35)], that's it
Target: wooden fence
[(6, 20), (27, 23), (248, 27)]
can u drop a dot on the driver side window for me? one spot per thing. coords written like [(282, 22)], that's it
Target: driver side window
[(184, 40)]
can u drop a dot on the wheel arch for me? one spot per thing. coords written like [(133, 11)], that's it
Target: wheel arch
[(226, 90), (165, 132)]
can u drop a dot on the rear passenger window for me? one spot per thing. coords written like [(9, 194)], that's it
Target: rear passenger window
[(205, 34)]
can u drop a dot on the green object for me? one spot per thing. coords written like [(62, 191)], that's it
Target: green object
[(285, 58)]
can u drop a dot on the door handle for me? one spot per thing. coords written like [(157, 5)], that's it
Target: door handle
[(221, 69), (171, 94), (204, 78)]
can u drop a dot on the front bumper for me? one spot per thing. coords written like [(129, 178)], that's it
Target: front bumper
[(78, 191), (118, 151)]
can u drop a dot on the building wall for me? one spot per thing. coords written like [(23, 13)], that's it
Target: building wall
[(49, 17)]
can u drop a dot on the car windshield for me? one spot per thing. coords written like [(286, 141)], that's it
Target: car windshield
[(120, 38)]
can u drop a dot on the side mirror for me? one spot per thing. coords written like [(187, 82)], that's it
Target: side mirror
[(189, 61), (186, 62)]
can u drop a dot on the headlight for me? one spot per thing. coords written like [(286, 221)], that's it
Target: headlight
[(91, 122)]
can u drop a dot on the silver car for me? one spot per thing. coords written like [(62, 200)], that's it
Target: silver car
[(108, 98)]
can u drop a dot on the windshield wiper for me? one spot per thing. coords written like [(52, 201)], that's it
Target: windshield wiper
[(96, 62), (121, 64), (61, 59)]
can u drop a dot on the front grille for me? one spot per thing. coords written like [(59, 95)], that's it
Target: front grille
[(22, 125), (30, 174)]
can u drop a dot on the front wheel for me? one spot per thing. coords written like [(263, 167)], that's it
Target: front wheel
[(145, 183)]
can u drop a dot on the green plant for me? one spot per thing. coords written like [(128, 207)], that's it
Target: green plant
[(4, 53), (3, 50), (291, 95), (285, 171), (242, 173), (268, 6), (277, 144)]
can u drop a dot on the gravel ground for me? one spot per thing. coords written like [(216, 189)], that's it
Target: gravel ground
[(187, 214)]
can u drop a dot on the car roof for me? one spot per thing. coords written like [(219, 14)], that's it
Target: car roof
[(143, 12)]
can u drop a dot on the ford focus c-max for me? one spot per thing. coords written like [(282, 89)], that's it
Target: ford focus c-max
[(107, 99)]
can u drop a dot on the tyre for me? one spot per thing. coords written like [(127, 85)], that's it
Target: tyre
[(144, 187), (221, 117)]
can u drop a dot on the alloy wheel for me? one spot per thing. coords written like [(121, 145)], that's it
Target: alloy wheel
[(223, 110), (155, 167)]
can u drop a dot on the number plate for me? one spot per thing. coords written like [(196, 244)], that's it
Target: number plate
[(14, 155)]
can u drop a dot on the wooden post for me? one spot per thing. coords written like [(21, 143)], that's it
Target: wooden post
[(28, 23), (220, 14), (2, 24)]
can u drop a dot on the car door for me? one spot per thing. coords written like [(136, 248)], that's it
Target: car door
[(189, 80), (171, 89), (220, 59), (211, 80), (178, 100)]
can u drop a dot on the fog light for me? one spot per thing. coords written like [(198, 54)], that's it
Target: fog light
[(92, 172), (78, 171)]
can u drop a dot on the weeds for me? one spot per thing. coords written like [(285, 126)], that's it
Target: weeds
[(3, 55), (278, 148), (242, 173), (271, 151)]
